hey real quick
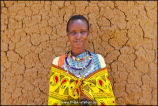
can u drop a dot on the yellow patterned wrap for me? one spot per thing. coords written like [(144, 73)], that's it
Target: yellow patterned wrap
[(66, 89)]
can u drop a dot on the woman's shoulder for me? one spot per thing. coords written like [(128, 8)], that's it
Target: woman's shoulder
[(57, 59), (101, 59)]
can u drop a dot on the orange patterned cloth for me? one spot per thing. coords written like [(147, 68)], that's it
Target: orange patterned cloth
[(65, 88)]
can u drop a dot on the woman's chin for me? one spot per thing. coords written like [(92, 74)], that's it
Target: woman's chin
[(77, 46)]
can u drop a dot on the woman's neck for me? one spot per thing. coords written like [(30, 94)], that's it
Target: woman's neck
[(77, 51)]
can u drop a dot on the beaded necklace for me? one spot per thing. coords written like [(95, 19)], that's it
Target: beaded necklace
[(81, 68), (78, 59)]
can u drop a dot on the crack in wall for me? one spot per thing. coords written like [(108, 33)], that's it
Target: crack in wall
[(93, 46)]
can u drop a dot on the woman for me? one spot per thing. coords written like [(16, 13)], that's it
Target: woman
[(79, 76)]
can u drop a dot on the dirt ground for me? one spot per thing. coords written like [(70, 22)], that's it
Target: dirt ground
[(33, 33)]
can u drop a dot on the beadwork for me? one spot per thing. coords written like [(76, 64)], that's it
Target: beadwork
[(82, 68), (78, 59)]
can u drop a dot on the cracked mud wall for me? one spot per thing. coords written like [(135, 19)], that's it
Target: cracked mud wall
[(33, 33)]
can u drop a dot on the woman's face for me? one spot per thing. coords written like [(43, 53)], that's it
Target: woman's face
[(78, 33)]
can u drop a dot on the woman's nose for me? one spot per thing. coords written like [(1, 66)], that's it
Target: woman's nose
[(78, 34)]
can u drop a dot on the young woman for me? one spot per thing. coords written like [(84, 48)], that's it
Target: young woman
[(79, 76)]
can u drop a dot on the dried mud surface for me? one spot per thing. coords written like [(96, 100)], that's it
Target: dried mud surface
[(123, 32)]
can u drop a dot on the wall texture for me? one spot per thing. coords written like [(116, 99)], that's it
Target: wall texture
[(34, 32)]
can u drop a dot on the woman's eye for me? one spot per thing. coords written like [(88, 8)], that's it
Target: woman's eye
[(72, 33), (83, 32)]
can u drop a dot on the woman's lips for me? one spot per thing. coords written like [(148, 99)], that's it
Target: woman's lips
[(77, 41)]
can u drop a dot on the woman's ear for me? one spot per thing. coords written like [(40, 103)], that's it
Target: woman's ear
[(68, 35)]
